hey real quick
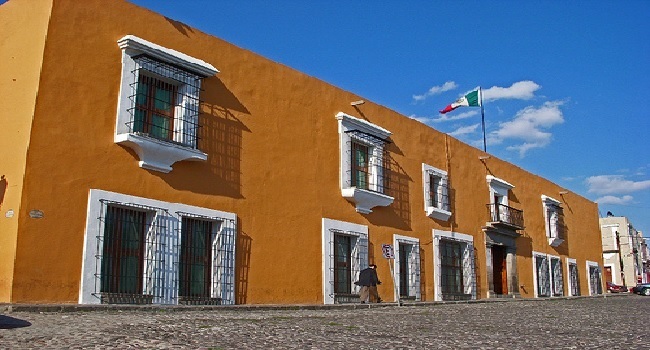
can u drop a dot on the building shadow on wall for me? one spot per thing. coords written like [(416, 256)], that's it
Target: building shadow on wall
[(3, 189), (242, 263), (181, 27), (220, 137)]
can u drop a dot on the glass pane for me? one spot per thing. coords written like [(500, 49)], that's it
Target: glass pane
[(160, 127), (196, 258), (123, 251), (163, 100)]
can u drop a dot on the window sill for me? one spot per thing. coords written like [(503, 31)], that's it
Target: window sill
[(366, 200), (158, 155), (554, 242), (437, 213)]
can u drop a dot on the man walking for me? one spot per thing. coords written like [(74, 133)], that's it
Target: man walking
[(368, 281)]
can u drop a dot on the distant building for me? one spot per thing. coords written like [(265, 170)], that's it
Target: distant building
[(624, 252), (144, 161)]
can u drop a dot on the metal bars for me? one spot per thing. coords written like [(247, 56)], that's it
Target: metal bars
[(164, 102), (128, 266), (369, 162), (206, 260), (348, 256)]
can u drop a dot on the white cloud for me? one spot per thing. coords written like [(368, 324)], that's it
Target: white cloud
[(614, 184), (450, 85), (521, 90), (464, 115), (615, 200), (464, 130), (529, 125)]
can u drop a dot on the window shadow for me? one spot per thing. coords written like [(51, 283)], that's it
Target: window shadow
[(398, 214), (242, 263), (8, 322), (220, 137)]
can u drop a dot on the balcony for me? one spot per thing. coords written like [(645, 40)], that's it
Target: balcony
[(503, 215)]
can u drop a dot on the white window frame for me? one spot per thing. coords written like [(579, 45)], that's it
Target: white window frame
[(155, 154), (170, 249), (359, 259), (554, 284), (570, 291), (365, 200), (536, 277), (469, 271), (442, 191), (498, 189), (552, 207), (414, 265), (588, 265)]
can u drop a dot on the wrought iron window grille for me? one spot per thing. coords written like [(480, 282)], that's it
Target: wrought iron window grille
[(438, 191), (369, 166), (358, 255), (128, 264), (205, 270), (174, 118)]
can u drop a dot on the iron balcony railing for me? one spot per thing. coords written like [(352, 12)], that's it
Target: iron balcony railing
[(505, 215)]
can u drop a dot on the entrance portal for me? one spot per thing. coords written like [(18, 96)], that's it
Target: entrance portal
[(499, 270)]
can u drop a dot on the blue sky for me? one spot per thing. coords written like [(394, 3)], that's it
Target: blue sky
[(565, 83)]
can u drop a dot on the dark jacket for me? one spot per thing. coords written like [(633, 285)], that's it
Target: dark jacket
[(368, 277)]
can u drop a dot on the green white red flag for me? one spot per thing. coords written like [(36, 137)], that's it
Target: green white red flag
[(472, 99)]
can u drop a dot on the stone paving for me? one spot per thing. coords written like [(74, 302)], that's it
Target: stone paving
[(565, 323)]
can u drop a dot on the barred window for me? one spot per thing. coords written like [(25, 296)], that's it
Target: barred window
[(123, 250), (195, 258)]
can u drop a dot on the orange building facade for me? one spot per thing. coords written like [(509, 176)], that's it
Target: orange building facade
[(147, 162)]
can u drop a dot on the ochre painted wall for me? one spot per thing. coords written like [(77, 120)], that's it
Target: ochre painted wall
[(273, 159), (21, 57)]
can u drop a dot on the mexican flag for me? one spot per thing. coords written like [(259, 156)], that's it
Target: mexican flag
[(473, 99)]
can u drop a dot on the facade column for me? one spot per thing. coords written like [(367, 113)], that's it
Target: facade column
[(489, 270), (511, 265)]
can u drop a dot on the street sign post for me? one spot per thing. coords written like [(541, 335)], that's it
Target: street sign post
[(389, 253)]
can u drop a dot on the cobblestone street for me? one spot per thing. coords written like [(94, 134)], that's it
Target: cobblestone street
[(578, 323)]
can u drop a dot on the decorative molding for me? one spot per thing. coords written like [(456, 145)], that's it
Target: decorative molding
[(156, 154), (195, 65), (366, 200)]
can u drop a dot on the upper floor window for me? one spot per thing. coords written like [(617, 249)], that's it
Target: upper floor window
[(436, 192), (553, 220), (500, 211), (158, 107), (364, 163)]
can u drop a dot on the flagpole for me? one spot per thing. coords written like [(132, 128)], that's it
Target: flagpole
[(480, 93)]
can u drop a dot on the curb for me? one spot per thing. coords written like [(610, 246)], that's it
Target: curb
[(71, 308)]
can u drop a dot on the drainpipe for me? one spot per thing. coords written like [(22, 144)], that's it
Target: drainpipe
[(620, 256)]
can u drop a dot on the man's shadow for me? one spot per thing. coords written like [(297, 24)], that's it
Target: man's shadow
[(7, 322)]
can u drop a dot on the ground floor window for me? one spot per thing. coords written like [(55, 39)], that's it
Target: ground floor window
[(123, 250), (595, 279), (549, 278), (454, 266), (342, 264), (345, 254), (542, 276), (557, 280), (574, 280), (407, 266), (451, 269), (140, 251)]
